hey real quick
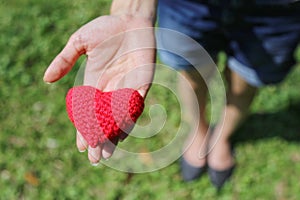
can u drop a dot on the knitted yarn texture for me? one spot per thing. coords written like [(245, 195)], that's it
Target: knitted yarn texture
[(101, 116)]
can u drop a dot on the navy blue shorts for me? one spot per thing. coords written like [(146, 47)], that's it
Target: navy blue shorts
[(259, 39)]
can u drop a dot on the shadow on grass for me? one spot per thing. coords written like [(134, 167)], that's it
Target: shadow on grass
[(283, 124)]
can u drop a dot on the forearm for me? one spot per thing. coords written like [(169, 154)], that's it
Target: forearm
[(136, 8)]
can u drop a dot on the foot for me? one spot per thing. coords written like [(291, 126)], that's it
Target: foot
[(221, 157), (221, 162), (189, 172), (218, 178), (193, 161)]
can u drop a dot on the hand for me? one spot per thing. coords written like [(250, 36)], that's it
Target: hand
[(120, 53)]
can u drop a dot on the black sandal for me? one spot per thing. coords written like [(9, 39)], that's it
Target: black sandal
[(189, 172), (219, 177)]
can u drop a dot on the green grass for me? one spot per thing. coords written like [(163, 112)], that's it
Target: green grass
[(38, 157)]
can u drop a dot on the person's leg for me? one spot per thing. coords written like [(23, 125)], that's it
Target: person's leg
[(195, 145), (180, 50), (194, 25), (264, 58), (239, 97)]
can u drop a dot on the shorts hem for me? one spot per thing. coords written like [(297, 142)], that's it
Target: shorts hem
[(248, 74)]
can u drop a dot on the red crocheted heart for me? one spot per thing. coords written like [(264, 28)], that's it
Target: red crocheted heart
[(99, 116)]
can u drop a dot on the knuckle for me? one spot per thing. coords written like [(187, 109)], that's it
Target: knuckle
[(78, 41)]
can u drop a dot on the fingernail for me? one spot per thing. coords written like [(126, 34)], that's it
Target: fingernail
[(95, 164), (81, 151), (105, 159), (45, 80)]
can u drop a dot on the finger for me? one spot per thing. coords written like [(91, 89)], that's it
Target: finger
[(123, 136), (94, 154), (108, 148), (66, 59), (144, 89), (81, 142)]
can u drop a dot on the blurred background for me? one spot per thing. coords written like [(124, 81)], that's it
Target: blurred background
[(38, 156)]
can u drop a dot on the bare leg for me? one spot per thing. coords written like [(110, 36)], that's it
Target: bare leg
[(239, 97), (195, 140)]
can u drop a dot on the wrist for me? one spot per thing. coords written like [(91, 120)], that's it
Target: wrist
[(135, 8)]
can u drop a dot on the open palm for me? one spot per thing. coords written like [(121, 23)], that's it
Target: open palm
[(120, 53)]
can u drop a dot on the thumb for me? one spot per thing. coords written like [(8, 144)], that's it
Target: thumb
[(66, 59)]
